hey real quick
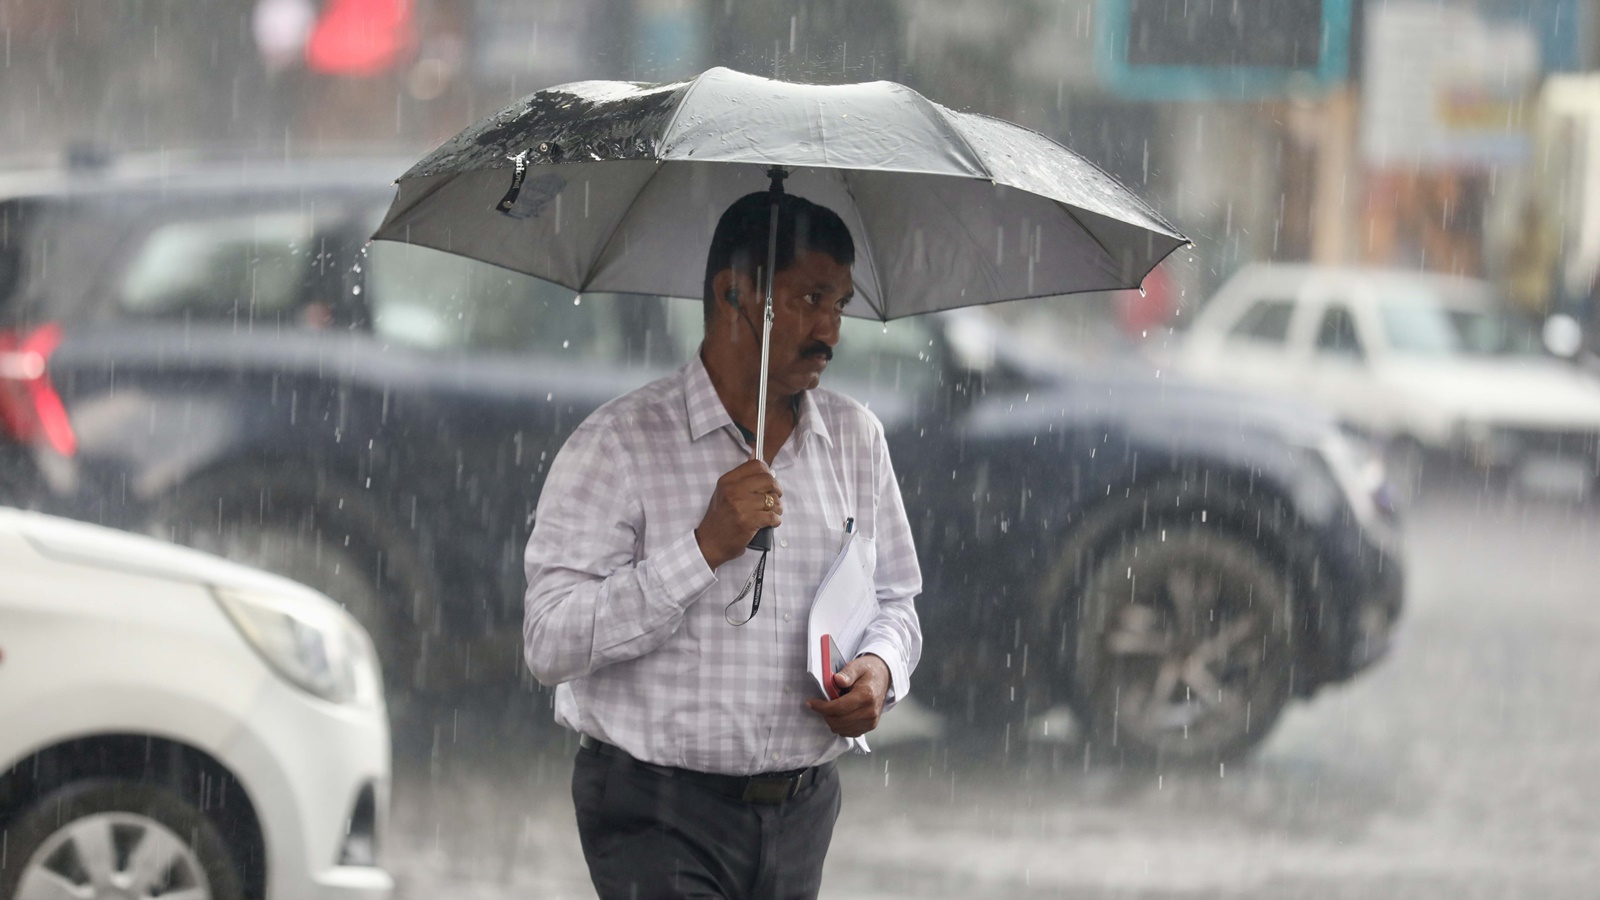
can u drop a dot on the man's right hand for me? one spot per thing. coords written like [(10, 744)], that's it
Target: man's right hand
[(738, 509)]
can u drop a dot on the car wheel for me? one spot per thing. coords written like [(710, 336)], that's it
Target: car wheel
[(103, 839), (1184, 651)]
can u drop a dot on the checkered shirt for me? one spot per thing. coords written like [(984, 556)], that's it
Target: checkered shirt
[(624, 615)]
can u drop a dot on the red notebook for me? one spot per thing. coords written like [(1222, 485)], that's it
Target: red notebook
[(832, 662)]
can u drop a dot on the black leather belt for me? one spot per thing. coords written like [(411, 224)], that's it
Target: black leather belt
[(768, 787)]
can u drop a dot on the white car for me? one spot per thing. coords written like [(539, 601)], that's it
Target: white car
[(1425, 361), (173, 725)]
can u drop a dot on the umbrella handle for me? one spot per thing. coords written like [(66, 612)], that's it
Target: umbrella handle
[(762, 541)]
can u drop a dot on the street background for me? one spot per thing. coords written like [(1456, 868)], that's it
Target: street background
[(1462, 767), (1446, 136)]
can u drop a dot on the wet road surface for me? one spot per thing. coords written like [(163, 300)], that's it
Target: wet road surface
[(1465, 766)]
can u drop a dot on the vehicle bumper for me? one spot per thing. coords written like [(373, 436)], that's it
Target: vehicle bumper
[(305, 764), (1546, 461), (351, 883)]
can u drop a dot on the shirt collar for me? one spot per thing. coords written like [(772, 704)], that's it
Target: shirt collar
[(811, 421), (707, 414)]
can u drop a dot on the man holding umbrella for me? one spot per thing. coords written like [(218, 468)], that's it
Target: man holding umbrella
[(705, 766), (701, 771)]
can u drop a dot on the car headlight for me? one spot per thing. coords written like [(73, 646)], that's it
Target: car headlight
[(323, 652), (1357, 464)]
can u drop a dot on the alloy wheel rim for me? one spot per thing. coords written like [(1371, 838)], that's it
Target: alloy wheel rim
[(114, 856), (1187, 657)]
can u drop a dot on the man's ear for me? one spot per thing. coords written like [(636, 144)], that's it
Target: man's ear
[(732, 287)]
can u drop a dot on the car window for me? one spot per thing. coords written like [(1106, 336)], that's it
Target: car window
[(900, 355), (1337, 336), (1267, 322), (439, 301), (685, 326), (11, 232), (239, 268), (1489, 333), (1418, 324)]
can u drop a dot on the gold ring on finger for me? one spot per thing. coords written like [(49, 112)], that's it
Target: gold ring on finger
[(769, 502)]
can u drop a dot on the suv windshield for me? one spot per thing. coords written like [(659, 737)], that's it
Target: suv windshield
[(1422, 325), (901, 355)]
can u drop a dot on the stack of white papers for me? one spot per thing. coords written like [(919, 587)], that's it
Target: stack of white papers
[(843, 609)]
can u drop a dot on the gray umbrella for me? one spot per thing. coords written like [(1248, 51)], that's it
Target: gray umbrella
[(616, 187)]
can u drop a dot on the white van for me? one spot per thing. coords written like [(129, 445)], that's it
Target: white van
[(1424, 361)]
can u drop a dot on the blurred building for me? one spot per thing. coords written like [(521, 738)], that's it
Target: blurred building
[(1396, 132)]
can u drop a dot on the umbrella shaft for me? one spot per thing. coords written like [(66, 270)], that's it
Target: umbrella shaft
[(766, 333)]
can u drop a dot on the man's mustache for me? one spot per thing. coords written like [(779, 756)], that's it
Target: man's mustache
[(819, 349)]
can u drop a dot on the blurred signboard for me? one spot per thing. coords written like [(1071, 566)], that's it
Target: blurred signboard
[(1559, 25), (1222, 49), (670, 39), (1446, 86), (531, 44)]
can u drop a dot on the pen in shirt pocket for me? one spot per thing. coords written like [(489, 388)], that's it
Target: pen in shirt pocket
[(849, 525)]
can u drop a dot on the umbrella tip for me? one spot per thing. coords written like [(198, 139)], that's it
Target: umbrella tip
[(777, 174)]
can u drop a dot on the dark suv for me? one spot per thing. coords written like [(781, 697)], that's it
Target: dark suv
[(218, 356)]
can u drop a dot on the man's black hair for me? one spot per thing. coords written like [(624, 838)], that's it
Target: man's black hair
[(740, 241)]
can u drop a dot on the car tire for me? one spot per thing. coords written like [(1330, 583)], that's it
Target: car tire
[(142, 840), (289, 531), (1184, 651)]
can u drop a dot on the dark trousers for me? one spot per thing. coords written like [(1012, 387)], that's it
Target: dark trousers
[(649, 835)]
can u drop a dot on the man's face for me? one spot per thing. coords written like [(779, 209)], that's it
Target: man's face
[(808, 301)]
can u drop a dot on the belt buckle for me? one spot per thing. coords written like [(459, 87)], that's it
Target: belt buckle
[(769, 790)]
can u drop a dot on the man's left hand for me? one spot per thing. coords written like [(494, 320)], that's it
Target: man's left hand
[(863, 684)]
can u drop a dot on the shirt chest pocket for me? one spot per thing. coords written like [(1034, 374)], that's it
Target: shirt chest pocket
[(869, 554), (866, 547)]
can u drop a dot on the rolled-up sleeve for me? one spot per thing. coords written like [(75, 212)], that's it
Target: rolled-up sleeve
[(591, 601), (895, 636)]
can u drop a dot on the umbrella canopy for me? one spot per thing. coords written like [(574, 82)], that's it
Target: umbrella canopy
[(617, 187)]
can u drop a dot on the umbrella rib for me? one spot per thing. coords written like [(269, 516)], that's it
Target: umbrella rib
[(1067, 208), (672, 123), (955, 129), (872, 259), (1148, 209), (616, 226), (979, 252)]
